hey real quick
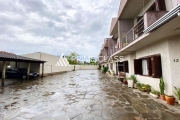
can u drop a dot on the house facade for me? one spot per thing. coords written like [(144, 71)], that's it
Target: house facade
[(147, 38)]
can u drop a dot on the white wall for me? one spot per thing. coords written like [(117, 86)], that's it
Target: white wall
[(170, 4), (130, 58), (157, 48), (174, 53), (169, 49)]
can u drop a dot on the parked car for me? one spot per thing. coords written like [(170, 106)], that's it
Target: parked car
[(19, 73)]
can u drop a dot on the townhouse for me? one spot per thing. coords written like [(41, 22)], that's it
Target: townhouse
[(147, 34)]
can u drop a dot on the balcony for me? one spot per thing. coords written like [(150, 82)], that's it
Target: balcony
[(133, 34)]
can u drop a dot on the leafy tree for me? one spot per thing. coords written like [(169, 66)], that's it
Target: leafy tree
[(72, 58), (93, 61)]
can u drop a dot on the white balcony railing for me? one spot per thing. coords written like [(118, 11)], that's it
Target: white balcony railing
[(133, 34)]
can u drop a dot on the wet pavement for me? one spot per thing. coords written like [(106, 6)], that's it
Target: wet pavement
[(79, 95)]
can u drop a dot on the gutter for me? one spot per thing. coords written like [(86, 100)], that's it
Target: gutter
[(174, 12)]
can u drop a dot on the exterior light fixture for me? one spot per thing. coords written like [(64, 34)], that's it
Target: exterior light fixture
[(8, 66), (178, 13)]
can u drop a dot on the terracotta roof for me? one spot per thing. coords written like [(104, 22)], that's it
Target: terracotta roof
[(13, 57)]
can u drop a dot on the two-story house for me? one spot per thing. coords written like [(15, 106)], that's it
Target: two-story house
[(148, 33)]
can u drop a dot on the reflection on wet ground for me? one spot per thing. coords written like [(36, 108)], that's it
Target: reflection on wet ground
[(79, 95)]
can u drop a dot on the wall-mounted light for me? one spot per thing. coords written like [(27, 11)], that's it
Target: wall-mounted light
[(177, 30), (8, 66), (178, 13)]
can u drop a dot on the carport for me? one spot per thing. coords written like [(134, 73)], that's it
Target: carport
[(17, 61)]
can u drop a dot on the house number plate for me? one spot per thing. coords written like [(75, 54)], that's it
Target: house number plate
[(176, 60)]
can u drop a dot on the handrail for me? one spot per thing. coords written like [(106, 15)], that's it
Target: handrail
[(133, 33)]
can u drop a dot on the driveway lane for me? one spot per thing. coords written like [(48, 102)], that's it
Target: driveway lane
[(79, 95)]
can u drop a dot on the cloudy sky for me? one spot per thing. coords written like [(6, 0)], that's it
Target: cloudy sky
[(55, 27)]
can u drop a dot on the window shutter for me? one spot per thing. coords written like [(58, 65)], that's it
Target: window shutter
[(156, 66), (149, 66), (138, 66), (160, 5), (126, 67)]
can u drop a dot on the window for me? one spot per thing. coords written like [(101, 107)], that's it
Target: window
[(149, 66), (144, 67), (126, 66)]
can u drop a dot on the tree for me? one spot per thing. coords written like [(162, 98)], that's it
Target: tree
[(72, 58), (93, 61)]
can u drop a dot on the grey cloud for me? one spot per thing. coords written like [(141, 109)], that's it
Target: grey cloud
[(54, 27)]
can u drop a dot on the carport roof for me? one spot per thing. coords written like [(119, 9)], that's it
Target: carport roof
[(6, 56)]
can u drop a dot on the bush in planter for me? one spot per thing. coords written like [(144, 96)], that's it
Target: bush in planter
[(154, 93), (177, 93), (147, 87), (138, 85), (162, 88), (132, 81), (105, 69)]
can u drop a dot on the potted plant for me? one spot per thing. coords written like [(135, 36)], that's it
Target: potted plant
[(105, 69), (130, 81), (143, 88), (148, 88), (170, 99), (125, 82), (154, 93), (162, 88), (177, 93), (138, 85)]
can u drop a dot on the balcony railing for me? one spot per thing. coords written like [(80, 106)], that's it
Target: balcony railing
[(114, 49), (133, 34)]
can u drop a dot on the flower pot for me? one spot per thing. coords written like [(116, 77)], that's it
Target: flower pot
[(135, 86), (125, 82), (170, 100), (130, 83), (155, 96), (163, 97), (179, 101)]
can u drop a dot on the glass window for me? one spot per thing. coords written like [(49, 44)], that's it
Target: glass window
[(144, 67)]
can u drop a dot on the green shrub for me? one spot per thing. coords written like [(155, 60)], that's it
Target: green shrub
[(155, 92), (177, 93), (162, 86), (105, 69)]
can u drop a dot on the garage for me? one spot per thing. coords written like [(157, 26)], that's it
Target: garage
[(11, 61)]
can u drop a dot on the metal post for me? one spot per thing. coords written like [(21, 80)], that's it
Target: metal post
[(42, 70), (51, 70), (28, 70), (3, 72)]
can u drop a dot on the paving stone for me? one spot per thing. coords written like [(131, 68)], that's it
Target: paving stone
[(82, 95)]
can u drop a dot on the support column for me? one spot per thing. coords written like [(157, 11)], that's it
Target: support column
[(28, 70), (42, 70), (3, 72)]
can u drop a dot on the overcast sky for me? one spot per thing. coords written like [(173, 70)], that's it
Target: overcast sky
[(55, 27)]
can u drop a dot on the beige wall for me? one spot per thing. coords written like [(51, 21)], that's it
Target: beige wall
[(169, 49), (146, 7), (170, 4)]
